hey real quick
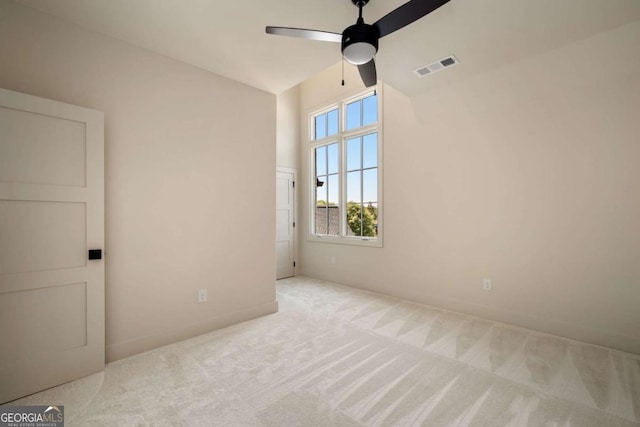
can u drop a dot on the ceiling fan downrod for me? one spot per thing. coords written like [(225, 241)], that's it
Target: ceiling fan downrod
[(360, 4)]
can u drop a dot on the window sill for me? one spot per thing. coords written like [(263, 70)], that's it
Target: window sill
[(353, 241)]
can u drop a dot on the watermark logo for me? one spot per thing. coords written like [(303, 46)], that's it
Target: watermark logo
[(32, 416)]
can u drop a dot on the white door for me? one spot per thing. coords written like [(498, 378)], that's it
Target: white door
[(285, 182), (51, 215)]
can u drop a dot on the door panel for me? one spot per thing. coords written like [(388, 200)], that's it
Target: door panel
[(63, 306), (41, 149), (283, 219), (51, 213), (31, 243), (284, 225)]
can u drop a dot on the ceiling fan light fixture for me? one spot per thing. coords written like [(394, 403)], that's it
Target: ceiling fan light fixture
[(359, 53), (360, 43)]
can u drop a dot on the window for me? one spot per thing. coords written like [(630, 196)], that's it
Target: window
[(345, 162)]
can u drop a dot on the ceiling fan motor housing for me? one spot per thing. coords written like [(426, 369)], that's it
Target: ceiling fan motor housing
[(360, 43)]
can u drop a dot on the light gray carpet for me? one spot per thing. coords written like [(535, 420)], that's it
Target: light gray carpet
[(336, 356)]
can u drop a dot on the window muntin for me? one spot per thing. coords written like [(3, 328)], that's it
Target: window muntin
[(345, 170)]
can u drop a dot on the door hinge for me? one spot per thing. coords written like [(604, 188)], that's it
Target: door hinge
[(294, 224), (294, 184), (294, 263)]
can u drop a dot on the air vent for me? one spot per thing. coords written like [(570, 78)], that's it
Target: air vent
[(437, 66)]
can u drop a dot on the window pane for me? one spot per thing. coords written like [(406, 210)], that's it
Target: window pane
[(321, 207), (370, 110), (353, 187), (333, 210), (321, 126), (353, 154), (332, 122), (353, 115), (369, 205), (370, 150), (354, 219), (321, 190), (333, 158), (333, 190), (371, 209), (370, 186), (321, 160), (321, 219)]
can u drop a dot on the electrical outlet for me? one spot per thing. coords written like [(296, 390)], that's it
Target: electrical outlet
[(202, 295), (486, 284)]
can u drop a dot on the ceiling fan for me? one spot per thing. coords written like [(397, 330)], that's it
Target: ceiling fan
[(360, 41)]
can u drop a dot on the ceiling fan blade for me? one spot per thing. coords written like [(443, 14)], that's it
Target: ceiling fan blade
[(406, 14), (368, 73), (302, 33)]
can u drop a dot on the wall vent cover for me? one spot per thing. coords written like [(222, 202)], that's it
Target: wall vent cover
[(443, 63)]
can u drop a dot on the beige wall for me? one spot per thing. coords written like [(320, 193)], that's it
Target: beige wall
[(189, 158), (288, 128), (527, 175)]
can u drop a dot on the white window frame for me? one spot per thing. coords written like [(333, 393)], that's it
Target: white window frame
[(341, 137)]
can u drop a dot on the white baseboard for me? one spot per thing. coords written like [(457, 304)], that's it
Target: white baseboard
[(546, 325), (578, 332), (140, 345)]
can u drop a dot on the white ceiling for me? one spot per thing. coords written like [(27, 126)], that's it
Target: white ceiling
[(227, 36)]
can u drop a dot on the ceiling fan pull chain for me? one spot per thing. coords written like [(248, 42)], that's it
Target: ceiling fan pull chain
[(342, 70)]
